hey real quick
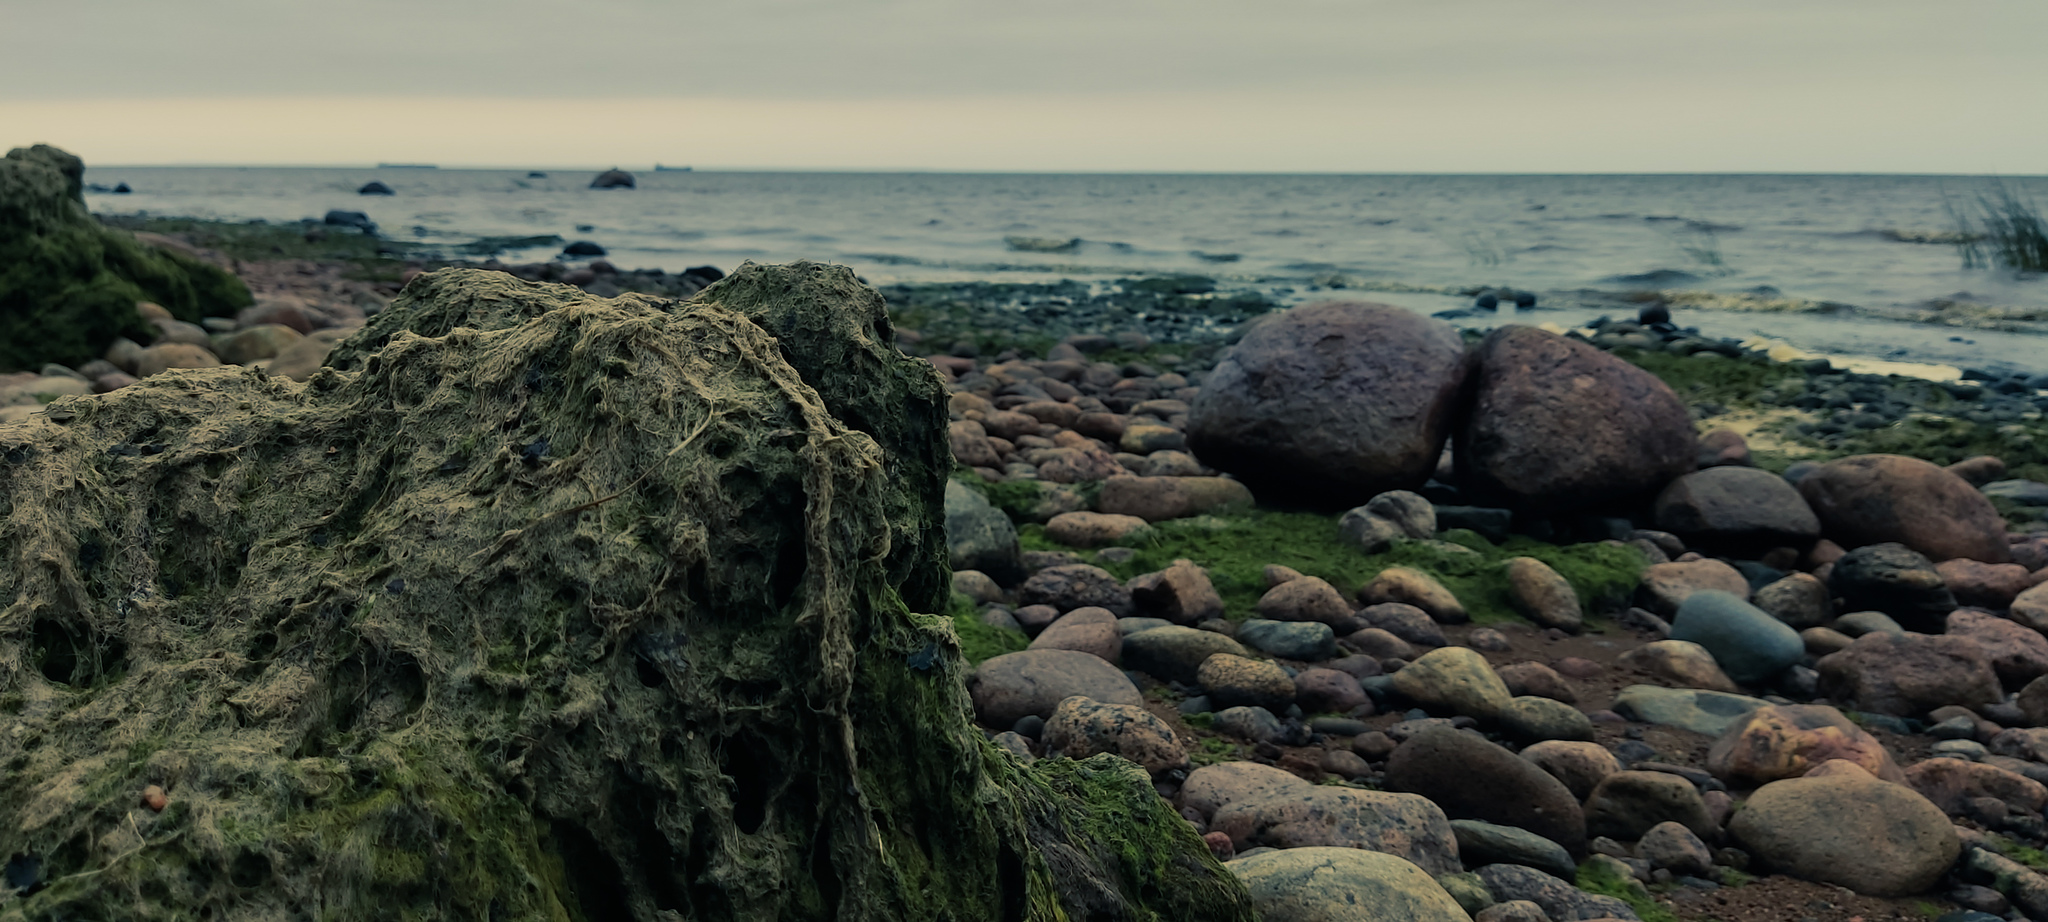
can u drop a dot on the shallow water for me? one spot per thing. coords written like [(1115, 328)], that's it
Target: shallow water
[(1805, 239)]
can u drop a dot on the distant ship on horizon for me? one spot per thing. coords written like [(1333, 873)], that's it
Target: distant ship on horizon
[(658, 168), (407, 166)]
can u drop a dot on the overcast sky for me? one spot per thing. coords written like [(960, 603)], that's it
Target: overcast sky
[(1275, 85)]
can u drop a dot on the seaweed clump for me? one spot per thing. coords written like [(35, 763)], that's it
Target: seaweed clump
[(574, 609), (68, 286)]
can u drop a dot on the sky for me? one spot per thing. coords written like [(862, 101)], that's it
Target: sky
[(1538, 86)]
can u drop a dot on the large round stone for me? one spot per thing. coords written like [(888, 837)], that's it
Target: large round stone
[(1331, 404), (1872, 499), (1007, 687), (1739, 508), (1850, 829), (1749, 644), (1173, 654), (1907, 675), (1785, 741), (1314, 814), (1456, 680), (1557, 424), (1322, 884), (1472, 779)]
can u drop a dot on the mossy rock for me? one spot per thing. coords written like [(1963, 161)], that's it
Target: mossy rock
[(584, 617), (68, 286)]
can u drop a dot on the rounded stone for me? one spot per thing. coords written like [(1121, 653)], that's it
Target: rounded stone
[(1080, 727), (1414, 587), (1580, 765), (1076, 585), (1175, 654), (1331, 404), (1558, 424), (1470, 778), (1748, 644), (1627, 804), (1306, 641), (1542, 595), (1875, 499), (1234, 681), (1453, 679), (1322, 884), (1307, 598), (1736, 508), (1007, 687), (1534, 719), (1088, 630), (1786, 741), (1094, 529), (1849, 829)]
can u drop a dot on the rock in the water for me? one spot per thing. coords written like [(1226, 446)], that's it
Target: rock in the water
[(71, 284), (1627, 804), (1736, 509), (676, 559), (1848, 829), (1007, 687), (1174, 654), (1321, 884), (1785, 741), (979, 536), (1747, 643), (1181, 594), (1313, 815), (1470, 778), (613, 179), (1482, 843), (1896, 580), (1907, 675), (1081, 727), (1156, 499), (1076, 585), (1708, 712), (1331, 404), (1234, 681), (1296, 640), (1557, 424), (1455, 680), (1878, 499), (1414, 587), (1680, 662), (1542, 595)]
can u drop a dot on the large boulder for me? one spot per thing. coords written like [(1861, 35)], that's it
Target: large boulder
[(1873, 499), (1323, 884), (1473, 779), (557, 620), (1736, 508), (69, 285), (1007, 687), (1331, 404), (1849, 829), (1557, 424), (1907, 675)]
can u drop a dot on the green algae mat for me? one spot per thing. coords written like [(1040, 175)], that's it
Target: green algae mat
[(68, 286), (536, 606)]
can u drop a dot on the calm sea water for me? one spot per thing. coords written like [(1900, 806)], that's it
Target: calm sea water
[(1407, 239)]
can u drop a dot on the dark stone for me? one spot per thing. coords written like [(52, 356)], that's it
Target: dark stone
[(1470, 778), (1894, 579), (583, 248), (374, 187), (613, 179)]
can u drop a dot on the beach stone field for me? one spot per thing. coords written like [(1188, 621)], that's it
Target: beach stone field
[(1381, 619)]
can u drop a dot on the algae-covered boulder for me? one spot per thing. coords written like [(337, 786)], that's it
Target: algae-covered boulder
[(587, 616), (68, 286), (832, 330)]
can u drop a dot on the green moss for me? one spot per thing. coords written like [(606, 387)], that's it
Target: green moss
[(1733, 382), (980, 640), (1594, 878), (1236, 549)]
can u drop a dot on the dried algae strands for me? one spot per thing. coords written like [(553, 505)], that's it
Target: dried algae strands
[(536, 606)]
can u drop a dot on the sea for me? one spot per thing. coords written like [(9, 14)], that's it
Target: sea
[(1864, 267)]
